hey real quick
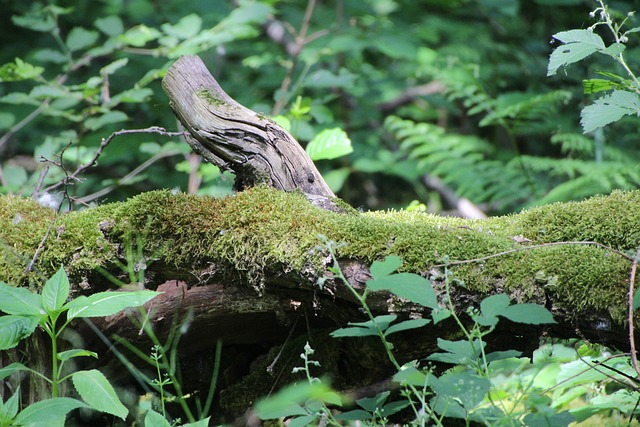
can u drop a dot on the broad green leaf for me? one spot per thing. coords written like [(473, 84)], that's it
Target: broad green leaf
[(371, 404), (154, 419), (80, 38), (463, 387), (608, 109), (614, 49), (355, 415), (43, 22), (46, 91), (48, 413), (55, 291), (409, 286), (636, 299), (11, 369), (131, 95), (326, 79), (20, 301), (19, 70), (329, 144), (500, 355), (107, 303), (6, 120), (13, 329), (18, 98), (287, 401), (532, 314), (302, 421), (494, 305), (440, 314), (409, 374), (110, 25), (406, 325), (97, 392), (578, 45), (390, 264), (50, 55), (77, 352), (95, 123), (335, 178), (460, 352)]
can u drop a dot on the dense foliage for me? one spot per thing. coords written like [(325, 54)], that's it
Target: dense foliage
[(437, 97)]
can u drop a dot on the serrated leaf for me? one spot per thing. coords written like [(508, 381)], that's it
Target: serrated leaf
[(97, 392), (614, 49), (81, 38), (107, 303), (48, 412), (20, 301), (154, 419), (76, 352), (578, 45), (406, 325), (608, 109), (390, 264), (409, 286), (55, 291), (532, 314), (13, 329), (329, 144)]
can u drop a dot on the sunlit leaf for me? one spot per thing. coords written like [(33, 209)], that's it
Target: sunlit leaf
[(95, 390), (329, 144)]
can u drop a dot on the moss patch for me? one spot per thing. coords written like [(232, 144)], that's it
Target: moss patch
[(267, 232)]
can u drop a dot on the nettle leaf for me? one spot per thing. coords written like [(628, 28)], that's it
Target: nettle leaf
[(329, 144), (95, 390), (48, 412), (19, 301), (409, 286), (578, 45), (107, 303), (532, 314), (390, 264), (80, 38), (608, 109), (55, 291), (13, 329)]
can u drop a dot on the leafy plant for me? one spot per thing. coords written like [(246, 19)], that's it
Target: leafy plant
[(624, 92), (25, 311)]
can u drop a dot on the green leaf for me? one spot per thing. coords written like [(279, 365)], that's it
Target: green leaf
[(20, 301), (6, 120), (154, 419), (354, 332), (329, 144), (406, 325), (326, 79), (494, 305), (532, 314), (13, 329), (608, 109), (598, 85), (48, 412), (107, 303), (115, 66), (438, 315), (49, 55), (185, 28), (139, 35), (390, 264), (409, 286), (11, 369), (55, 291), (636, 299), (578, 45), (9, 409), (409, 374), (354, 415), (110, 25), (19, 70), (41, 22), (202, 423), (111, 117), (460, 352), (97, 392), (77, 352), (80, 38)]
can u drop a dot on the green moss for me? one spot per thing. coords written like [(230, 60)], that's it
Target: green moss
[(208, 96), (266, 232)]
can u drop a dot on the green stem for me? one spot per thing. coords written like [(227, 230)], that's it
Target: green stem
[(55, 374)]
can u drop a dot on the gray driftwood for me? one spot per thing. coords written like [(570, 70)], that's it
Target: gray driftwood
[(231, 136)]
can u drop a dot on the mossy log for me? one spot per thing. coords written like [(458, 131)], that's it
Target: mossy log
[(243, 269)]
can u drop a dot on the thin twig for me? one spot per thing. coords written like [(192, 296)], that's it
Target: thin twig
[(104, 143), (632, 341), (526, 248)]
